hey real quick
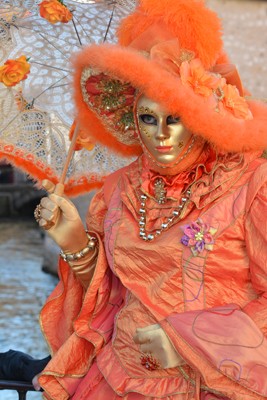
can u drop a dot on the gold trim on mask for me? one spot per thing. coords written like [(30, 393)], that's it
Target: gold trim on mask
[(146, 110)]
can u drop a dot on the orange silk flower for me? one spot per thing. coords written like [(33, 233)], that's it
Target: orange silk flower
[(235, 103), (194, 74), (55, 11), (14, 71), (82, 141)]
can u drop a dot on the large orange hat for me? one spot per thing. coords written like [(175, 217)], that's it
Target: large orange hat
[(172, 51)]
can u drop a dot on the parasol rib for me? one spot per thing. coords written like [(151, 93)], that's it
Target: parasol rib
[(60, 186)]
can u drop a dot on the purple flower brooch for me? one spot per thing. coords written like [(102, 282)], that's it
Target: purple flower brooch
[(198, 236)]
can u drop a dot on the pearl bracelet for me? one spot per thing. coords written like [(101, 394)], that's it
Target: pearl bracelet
[(80, 254)]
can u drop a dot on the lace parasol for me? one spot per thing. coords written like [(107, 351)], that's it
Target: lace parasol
[(37, 113)]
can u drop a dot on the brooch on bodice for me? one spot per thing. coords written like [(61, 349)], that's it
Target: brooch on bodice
[(160, 191), (198, 236)]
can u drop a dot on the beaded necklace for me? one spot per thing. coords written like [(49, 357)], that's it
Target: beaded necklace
[(165, 225)]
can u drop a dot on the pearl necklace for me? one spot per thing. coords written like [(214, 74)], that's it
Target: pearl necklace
[(165, 225)]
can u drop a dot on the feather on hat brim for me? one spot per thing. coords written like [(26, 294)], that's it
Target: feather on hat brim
[(231, 127), (222, 129)]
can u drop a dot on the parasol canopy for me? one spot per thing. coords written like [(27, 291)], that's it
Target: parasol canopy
[(38, 112)]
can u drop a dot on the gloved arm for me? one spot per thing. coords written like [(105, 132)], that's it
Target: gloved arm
[(67, 231), (153, 340)]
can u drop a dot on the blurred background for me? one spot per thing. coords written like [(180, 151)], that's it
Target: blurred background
[(28, 258)]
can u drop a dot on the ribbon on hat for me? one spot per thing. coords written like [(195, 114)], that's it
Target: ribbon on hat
[(170, 55), (230, 73)]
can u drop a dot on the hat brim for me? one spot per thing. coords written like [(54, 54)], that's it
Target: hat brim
[(222, 129)]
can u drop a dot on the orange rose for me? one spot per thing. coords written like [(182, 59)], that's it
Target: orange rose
[(55, 11), (14, 71)]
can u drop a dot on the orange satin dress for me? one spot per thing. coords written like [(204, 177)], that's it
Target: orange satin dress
[(212, 304)]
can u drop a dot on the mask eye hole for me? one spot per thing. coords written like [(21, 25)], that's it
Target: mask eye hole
[(148, 119), (172, 120)]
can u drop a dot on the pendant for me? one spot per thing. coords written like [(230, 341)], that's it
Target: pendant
[(159, 191)]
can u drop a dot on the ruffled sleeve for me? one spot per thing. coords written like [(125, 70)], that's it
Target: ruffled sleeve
[(76, 323), (96, 214)]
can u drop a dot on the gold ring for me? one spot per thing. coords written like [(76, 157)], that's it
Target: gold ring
[(149, 361), (37, 213)]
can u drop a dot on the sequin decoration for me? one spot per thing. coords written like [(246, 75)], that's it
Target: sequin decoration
[(112, 101), (149, 362), (160, 191)]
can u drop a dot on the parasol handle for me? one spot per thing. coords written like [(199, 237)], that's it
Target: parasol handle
[(60, 186)]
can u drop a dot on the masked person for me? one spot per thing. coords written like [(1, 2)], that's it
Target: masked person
[(165, 295)]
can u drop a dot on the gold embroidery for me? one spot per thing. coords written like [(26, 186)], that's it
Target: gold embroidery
[(110, 105), (186, 55), (127, 120), (111, 101), (219, 95), (146, 110), (113, 86)]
